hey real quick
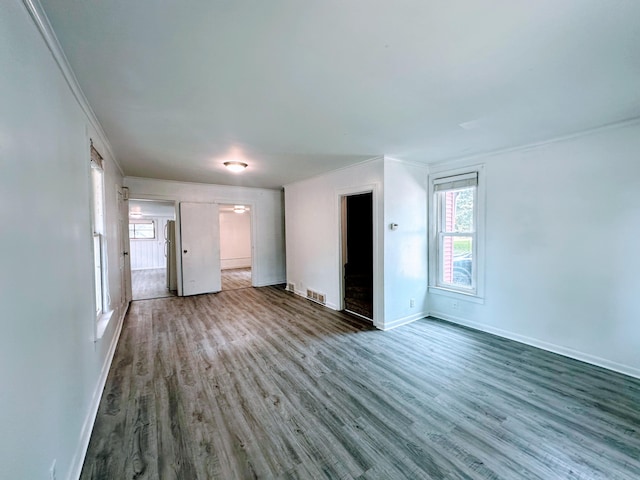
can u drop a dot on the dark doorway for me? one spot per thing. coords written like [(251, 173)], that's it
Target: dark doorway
[(357, 244)]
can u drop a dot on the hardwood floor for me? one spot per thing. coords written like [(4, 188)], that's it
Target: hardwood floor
[(260, 383), (236, 278), (149, 283)]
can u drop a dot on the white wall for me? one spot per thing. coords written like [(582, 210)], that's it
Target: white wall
[(235, 240), (50, 368), (405, 249), (400, 265), (562, 258), (312, 212), (266, 211), (150, 253)]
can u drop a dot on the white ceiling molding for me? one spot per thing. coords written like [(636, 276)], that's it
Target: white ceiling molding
[(51, 40)]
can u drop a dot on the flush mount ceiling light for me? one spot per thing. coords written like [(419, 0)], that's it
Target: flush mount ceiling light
[(239, 208), (235, 167)]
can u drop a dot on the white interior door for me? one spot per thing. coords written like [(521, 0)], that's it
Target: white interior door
[(124, 257), (200, 248)]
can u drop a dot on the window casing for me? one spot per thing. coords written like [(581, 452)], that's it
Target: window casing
[(455, 240)]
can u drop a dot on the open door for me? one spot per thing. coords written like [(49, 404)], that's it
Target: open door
[(200, 248), (124, 261), (357, 253)]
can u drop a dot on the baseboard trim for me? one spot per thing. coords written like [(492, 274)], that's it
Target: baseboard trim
[(87, 427), (549, 347), (403, 321)]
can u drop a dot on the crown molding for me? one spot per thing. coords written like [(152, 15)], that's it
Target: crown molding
[(528, 146), (43, 25)]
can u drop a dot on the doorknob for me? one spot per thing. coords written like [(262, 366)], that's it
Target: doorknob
[(125, 253), (184, 251)]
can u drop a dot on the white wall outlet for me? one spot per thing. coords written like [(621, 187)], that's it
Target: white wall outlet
[(412, 303), (52, 471)]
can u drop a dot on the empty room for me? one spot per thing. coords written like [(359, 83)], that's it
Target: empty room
[(321, 239)]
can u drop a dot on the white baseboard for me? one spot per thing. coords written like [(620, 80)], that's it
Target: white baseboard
[(550, 347), (87, 427), (403, 321)]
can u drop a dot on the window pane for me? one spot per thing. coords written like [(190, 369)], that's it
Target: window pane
[(145, 230), (97, 263), (457, 210), (98, 196), (457, 261)]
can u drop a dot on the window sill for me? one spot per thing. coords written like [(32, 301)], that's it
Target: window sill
[(103, 323), (467, 297)]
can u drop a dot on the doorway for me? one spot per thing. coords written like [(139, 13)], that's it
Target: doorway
[(357, 253), (236, 253), (152, 248)]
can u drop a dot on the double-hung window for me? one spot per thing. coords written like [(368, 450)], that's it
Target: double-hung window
[(97, 220), (455, 241)]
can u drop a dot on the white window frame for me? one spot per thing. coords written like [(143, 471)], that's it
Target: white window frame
[(476, 292), (99, 244)]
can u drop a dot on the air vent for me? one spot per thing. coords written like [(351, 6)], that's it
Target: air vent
[(316, 297)]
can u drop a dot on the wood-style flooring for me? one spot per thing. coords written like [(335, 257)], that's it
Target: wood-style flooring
[(236, 278), (149, 283), (260, 383)]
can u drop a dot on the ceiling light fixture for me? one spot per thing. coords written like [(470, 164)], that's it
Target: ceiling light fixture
[(235, 167), (239, 208)]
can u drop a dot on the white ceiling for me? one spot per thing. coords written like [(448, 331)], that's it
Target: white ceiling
[(296, 88)]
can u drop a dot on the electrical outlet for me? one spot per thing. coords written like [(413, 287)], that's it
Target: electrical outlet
[(412, 303), (52, 471)]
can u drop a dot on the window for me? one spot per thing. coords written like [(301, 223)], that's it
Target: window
[(142, 230), (97, 219), (454, 244)]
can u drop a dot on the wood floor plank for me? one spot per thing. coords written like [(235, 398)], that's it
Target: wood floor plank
[(236, 278), (260, 383), (150, 283)]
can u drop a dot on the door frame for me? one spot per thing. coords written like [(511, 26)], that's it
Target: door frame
[(341, 194), (159, 198), (252, 231)]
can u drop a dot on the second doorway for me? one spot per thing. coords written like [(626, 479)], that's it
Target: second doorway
[(235, 246)]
